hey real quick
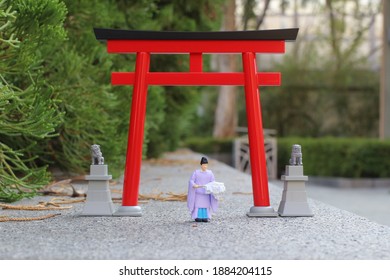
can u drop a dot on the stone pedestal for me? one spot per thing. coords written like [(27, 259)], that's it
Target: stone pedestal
[(99, 202), (261, 211), (294, 198)]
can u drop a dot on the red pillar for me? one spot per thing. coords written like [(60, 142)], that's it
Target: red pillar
[(136, 131), (255, 132)]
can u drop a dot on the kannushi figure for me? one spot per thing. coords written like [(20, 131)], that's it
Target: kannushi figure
[(199, 202)]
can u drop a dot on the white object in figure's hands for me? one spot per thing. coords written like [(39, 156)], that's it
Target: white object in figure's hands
[(215, 188)]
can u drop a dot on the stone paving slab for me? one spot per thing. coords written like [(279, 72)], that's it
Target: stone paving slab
[(166, 231)]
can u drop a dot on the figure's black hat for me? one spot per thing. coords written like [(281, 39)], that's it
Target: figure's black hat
[(204, 161)]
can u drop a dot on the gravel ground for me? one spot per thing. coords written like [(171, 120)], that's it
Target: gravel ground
[(166, 231)]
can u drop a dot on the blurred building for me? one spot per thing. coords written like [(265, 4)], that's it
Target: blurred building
[(312, 18)]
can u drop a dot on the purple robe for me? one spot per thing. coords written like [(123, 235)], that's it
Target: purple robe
[(197, 197)]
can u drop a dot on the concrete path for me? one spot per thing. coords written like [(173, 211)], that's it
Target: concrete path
[(372, 203), (166, 231)]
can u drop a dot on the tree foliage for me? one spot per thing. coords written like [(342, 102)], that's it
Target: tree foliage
[(180, 102), (28, 108), (56, 98), (328, 89)]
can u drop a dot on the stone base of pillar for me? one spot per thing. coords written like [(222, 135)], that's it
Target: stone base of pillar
[(130, 211), (264, 211)]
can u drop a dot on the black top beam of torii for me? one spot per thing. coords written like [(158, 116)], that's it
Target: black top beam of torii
[(289, 34)]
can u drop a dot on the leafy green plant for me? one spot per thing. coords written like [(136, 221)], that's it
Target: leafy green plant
[(55, 93), (339, 157), (328, 157), (209, 145), (28, 111)]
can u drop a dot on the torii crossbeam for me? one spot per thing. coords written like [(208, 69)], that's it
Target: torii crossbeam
[(248, 43)]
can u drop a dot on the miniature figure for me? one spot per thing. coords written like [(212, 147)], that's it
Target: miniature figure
[(97, 156), (296, 155), (200, 203)]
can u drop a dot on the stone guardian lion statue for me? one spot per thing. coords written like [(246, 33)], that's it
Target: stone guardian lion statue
[(97, 156), (296, 155)]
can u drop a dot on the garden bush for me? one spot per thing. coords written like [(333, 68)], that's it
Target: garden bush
[(328, 157), (55, 93), (339, 157), (209, 145)]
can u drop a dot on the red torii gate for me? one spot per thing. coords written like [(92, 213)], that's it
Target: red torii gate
[(248, 43)]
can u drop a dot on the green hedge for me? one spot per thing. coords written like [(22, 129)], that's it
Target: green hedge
[(208, 145), (339, 157), (330, 157)]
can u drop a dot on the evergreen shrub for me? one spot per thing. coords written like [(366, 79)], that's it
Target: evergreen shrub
[(339, 157), (209, 145), (28, 108), (328, 157), (55, 93)]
